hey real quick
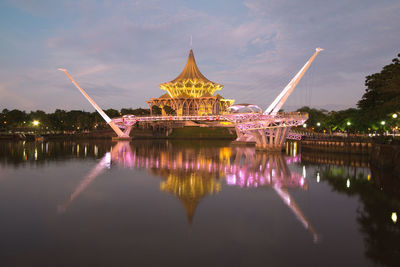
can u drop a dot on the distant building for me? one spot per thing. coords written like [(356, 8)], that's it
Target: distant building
[(191, 93)]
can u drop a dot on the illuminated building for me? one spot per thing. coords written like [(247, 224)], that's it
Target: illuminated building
[(190, 97), (190, 189), (191, 93)]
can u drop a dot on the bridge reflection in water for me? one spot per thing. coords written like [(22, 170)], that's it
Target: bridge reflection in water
[(191, 174)]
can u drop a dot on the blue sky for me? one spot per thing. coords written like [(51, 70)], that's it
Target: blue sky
[(120, 51)]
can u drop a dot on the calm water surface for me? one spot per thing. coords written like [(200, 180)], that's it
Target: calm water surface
[(197, 203)]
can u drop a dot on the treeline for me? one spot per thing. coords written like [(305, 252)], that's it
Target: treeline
[(351, 120), (60, 120), (377, 111)]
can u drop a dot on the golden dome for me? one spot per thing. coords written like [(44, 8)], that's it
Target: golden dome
[(190, 189), (190, 82)]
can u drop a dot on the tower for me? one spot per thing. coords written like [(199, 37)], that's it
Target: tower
[(191, 93)]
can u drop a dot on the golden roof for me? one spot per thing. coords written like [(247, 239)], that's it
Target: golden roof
[(190, 82), (190, 189)]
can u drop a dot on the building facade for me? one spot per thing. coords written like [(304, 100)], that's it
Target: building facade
[(191, 93)]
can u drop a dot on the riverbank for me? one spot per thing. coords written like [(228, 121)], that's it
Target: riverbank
[(382, 157), (386, 158), (339, 146)]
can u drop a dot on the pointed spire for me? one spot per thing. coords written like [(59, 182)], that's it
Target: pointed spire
[(191, 71), (190, 206), (190, 81)]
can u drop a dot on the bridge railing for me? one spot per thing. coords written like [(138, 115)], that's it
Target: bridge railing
[(236, 118), (294, 114)]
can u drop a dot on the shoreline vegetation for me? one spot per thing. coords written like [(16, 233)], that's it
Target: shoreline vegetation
[(373, 127), (377, 114)]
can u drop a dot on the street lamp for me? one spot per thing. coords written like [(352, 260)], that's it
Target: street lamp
[(383, 122), (318, 124), (35, 123), (348, 126), (395, 127), (304, 125)]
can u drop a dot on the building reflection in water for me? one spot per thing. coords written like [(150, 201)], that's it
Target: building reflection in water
[(191, 174)]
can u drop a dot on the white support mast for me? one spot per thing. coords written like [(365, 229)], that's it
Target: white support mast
[(282, 97), (99, 110)]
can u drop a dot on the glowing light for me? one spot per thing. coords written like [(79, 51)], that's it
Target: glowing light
[(108, 160), (190, 82), (36, 123), (394, 116), (318, 124), (348, 123), (318, 178), (383, 122), (304, 172), (394, 217), (348, 183), (305, 125)]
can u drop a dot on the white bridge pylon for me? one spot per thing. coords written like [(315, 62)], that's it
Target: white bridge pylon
[(283, 96), (268, 130), (271, 133), (110, 122)]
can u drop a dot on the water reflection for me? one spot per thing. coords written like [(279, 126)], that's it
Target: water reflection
[(379, 194), (195, 171), (192, 174), (39, 153)]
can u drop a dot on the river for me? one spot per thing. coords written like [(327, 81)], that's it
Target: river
[(192, 203)]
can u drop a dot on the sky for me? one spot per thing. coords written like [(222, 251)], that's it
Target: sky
[(120, 51)]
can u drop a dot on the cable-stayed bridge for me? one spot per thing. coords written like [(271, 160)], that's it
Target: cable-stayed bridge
[(269, 130)]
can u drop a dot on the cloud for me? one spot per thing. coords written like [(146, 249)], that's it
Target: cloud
[(352, 33), (120, 51), (93, 70), (7, 96)]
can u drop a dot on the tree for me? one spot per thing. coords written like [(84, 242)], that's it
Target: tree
[(382, 95), (315, 116), (15, 118), (112, 113), (141, 112), (40, 116), (127, 111), (348, 120)]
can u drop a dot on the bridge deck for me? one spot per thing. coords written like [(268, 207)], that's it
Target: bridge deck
[(236, 118)]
